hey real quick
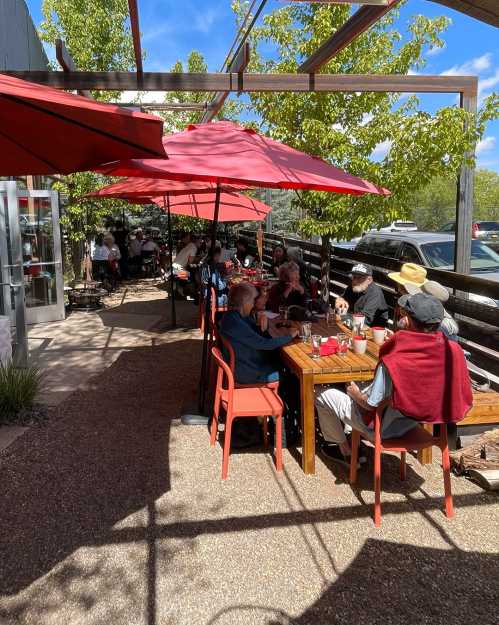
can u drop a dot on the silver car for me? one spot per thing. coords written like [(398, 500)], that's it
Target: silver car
[(433, 249)]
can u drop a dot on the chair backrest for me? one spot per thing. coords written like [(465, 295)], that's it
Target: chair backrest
[(223, 371), (230, 350)]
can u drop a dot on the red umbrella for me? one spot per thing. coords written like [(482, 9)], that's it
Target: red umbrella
[(233, 206), (225, 153), (47, 131), (147, 187)]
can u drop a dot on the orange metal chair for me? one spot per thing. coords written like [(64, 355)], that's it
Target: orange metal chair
[(243, 402), (232, 364), (214, 309), (416, 439)]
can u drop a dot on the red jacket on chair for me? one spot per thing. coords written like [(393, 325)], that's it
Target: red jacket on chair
[(430, 376)]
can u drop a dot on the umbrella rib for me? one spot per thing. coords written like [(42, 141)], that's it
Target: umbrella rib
[(26, 149), (69, 120)]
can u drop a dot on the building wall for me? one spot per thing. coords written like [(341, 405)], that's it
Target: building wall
[(20, 46)]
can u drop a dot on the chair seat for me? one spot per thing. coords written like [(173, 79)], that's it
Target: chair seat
[(417, 438), (259, 401)]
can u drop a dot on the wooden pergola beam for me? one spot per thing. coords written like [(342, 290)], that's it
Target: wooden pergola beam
[(360, 21), (134, 22), (65, 60), (151, 81)]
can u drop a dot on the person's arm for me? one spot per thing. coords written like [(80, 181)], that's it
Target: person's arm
[(244, 334), (378, 393)]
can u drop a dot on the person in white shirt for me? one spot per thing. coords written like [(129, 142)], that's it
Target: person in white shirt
[(135, 246), (187, 254), (100, 259), (101, 251)]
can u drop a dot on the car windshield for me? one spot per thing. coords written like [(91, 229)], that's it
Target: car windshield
[(441, 254), (489, 225)]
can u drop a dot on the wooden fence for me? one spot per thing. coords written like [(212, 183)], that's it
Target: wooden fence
[(479, 323)]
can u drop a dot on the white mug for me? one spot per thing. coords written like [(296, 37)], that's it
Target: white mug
[(359, 345), (358, 321), (379, 335)]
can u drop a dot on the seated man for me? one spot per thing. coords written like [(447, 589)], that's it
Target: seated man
[(446, 396), (251, 349), (364, 296), (187, 253)]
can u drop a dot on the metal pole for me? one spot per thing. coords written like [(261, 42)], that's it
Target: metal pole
[(200, 418), (170, 253), (268, 218), (464, 200)]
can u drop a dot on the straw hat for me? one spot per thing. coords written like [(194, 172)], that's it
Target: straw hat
[(410, 273)]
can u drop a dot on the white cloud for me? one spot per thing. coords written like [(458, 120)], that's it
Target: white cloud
[(436, 50), (203, 20), (147, 97), (486, 144), (473, 66), (381, 150), (490, 82)]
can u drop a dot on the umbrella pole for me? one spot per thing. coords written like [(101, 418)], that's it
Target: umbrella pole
[(200, 418), (170, 251)]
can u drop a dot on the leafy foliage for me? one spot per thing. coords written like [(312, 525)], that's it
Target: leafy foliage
[(435, 204), (345, 128), (18, 390), (96, 33)]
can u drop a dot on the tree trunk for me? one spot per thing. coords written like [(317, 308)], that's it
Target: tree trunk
[(325, 267), (77, 258)]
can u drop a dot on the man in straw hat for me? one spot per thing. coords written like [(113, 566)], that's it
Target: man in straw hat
[(447, 395)]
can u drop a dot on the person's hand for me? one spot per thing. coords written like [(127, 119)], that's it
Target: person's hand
[(341, 305), (263, 321), (353, 390)]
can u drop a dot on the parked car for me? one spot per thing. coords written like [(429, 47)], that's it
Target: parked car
[(433, 249), (484, 230), (397, 226)]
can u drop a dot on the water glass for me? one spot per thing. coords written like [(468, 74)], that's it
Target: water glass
[(316, 345), (283, 312), (343, 344), (330, 318), (306, 331)]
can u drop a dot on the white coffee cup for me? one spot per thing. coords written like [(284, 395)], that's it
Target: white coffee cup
[(358, 320), (379, 335), (359, 345)]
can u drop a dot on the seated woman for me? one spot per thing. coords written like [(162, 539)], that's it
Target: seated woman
[(242, 257), (253, 351), (258, 312), (214, 266), (288, 291), (279, 257)]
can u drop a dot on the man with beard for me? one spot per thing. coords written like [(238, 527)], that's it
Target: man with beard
[(364, 296)]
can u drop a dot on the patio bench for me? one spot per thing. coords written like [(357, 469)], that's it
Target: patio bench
[(485, 411)]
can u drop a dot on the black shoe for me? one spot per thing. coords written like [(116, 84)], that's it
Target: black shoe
[(333, 453)]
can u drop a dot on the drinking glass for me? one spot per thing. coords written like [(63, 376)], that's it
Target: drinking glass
[(343, 344), (283, 312), (306, 331), (316, 345), (330, 318)]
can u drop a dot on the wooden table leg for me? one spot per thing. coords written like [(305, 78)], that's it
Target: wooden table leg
[(307, 423), (425, 455)]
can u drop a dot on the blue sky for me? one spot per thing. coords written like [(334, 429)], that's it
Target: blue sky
[(171, 29)]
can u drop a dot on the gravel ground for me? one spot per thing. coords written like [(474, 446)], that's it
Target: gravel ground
[(114, 514)]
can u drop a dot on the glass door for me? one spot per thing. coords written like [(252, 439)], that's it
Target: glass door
[(40, 233)]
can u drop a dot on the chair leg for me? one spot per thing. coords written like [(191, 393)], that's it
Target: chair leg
[(355, 456), (449, 506), (402, 465), (226, 452), (278, 442), (265, 432), (377, 485), (214, 421)]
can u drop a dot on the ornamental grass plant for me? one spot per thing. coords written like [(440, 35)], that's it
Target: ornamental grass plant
[(18, 390)]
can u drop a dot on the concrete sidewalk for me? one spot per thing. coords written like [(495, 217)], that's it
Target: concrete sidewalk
[(114, 513)]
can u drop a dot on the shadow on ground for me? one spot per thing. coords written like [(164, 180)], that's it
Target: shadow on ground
[(104, 457)]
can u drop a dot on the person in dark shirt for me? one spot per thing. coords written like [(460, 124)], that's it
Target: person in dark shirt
[(279, 257), (120, 235), (364, 296), (288, 291)]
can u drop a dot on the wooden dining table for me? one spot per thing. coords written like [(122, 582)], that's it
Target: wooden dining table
[(324, 370)]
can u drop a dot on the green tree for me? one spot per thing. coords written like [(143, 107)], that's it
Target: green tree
[(435, 204), (98, 38), (345, 128), (96, 34)]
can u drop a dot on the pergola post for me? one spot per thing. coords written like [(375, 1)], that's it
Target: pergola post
[(464, 199)]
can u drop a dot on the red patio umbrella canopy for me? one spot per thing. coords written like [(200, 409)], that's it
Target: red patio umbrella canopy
[(225, 153), (47, 131), (233, 206), (147, 187)]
